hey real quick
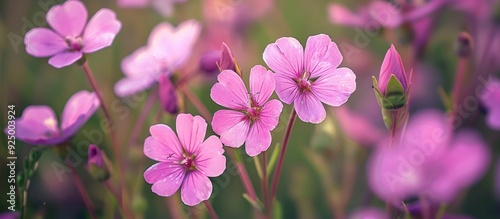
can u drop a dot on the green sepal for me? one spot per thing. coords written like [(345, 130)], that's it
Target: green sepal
[(394, 94), (100, 174)]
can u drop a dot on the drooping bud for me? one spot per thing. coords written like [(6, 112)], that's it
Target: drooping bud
[(227, 60), (464, 44), (97, 164), (168, 95)]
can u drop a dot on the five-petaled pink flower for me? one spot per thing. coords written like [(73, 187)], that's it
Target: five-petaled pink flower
[(252, 117), (71, 38), (309, 78), (186, 161), (38, 124)]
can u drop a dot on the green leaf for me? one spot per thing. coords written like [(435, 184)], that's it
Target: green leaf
[(258, 167), (257, 204), (274, 157), (394, 94), (277, 210)]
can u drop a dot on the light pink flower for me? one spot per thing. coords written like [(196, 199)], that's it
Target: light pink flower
[(185, 161), (72, 36), (164, 7), (251, 117), (168, 49), (490, 98), (308, 79), (38, 124)]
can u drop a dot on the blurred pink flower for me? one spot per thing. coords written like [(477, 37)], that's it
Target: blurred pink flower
[(490, 98), (251, 117), (227, 60), (368, 213), (94, 156), (164, 7), (168, 49), (357, 126), (429, 161), (185, 161), (168, 95), (72, 36), (392, 65), (309, 78), (38, 124)]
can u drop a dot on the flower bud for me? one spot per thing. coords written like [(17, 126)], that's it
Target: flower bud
[(208, 61), (97, 164), (464, 44), (167, 94), (227, 60)]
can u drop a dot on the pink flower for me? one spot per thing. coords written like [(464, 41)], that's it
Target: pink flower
[(164, 7), (490, 98), (71, 37), (168, 49), (251, 117), (38, 124), (392, 65), (309, 78), (185, 161)]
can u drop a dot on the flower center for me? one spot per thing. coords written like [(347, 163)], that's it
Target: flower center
[(74, 43), (188, 163), (304, 84), (253, 113)]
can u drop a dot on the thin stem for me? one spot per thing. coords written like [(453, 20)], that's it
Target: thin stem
[(116, 148), (142, 117), (117, 196), (265, 192), (210, 210), (83, 192), (197, 103), (457, 86), (242, 172), (174, 209), (276, 177)]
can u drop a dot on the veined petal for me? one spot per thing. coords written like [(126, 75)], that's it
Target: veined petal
[(210, 159), (285, 56), (262, 84), (195, 188), (68, 19), (286, 88), (43, 42), (335, 87), (322, 56), (100, 31), (309, 108), (191, 131), (37, 125), (270, 114), (163, 144), (165, 177), (64, 59), (230, 91), (258, 140), (232, 126)]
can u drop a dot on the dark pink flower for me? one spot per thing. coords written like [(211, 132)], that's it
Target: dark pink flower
[(490, 98), (311, 77), (168, 49), (358, 127), (71, 36), (251, 117), (95, 156), (185, 161), (38, 124)]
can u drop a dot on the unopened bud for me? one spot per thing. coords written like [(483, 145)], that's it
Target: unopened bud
[(464, 45), (96, 164), (168, 95)]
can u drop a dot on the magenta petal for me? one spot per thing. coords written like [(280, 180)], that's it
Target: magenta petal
[(258, 140), (230, 91), (195, 188), (285, 56), (232, 126), (129, 86), (335, 88), (322, 56), (37, 125), (42, 42), (100, 31), (385, 14), (309, 108), (270, 114), (77, 111), (165, 177), (132, 3), (210, 159), (191, 131), (261, 84), (163, 143), (493, 119), (64, 59), (286, 88), (342, 16), (68, 19), (392, 65)]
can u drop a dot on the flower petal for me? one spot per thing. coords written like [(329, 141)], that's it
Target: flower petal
[(129, 86), (230, 91), (191, 131), (322, 56), (77, 111), (232, 126), (64, 59), (132, 3), (258, 140), (163, 144), (37, 125), (210, 159), (493, 119), (285, 56), (43, 42), (165, 177), (342, 16), (100, 31), (335, 88), (270, 114), (68, 19), (309, 108), (286, 88), (261, 84), (195, 188)]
